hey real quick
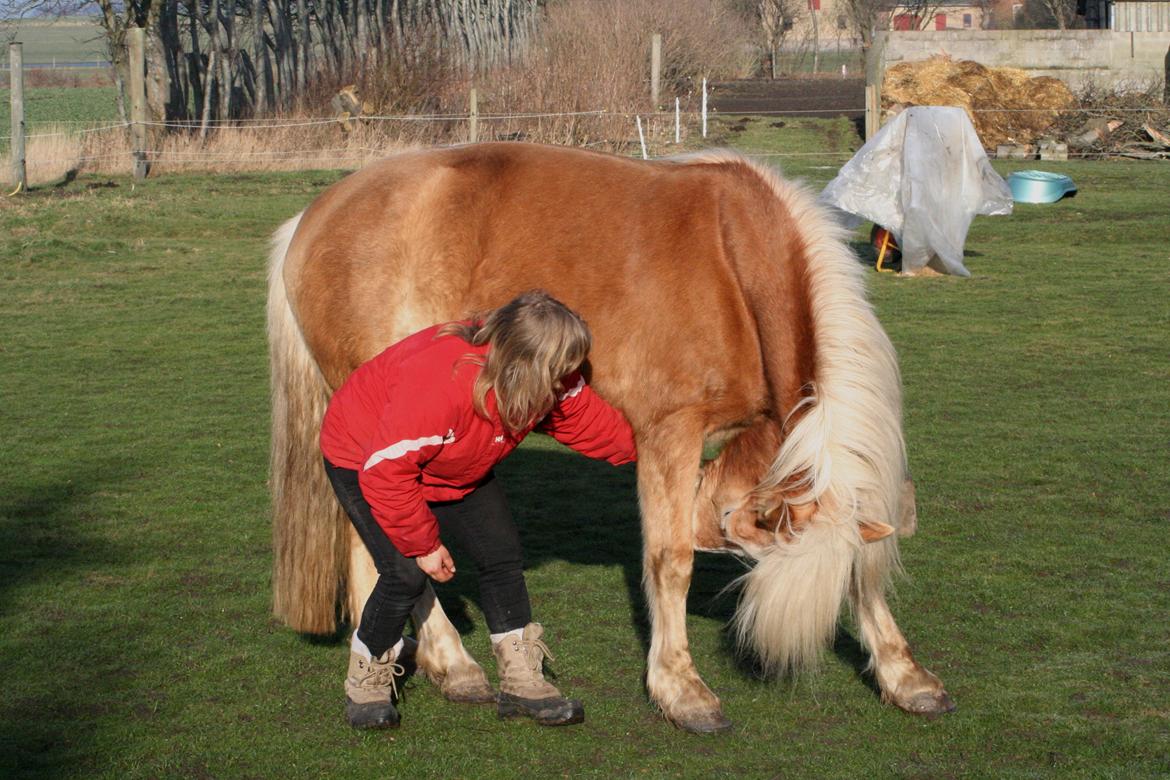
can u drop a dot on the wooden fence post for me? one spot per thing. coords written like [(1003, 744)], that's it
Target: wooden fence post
[(875, 69), (16, 79), (473, 117), (872, 111), (1166, 80), (655, 68), (136, 38)]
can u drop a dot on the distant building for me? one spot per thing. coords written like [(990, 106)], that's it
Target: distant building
[(945, 15), (835, 27), (1128, 15)]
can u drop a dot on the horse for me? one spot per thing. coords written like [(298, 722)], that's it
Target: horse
[(726, 308)]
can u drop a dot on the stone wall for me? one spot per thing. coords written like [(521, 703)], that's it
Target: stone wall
[(1117, 59)]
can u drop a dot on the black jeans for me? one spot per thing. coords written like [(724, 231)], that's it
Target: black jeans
[(480, 525)]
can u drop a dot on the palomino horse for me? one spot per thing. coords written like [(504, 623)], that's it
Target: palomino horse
[(725, 305)]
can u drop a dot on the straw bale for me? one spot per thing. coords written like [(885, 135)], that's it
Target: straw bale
[(1027, 106)]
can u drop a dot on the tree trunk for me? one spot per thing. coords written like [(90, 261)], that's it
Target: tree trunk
[(179, 95), (195, 59), (115, 29), (230, 61), (259, 57), (305, 44), (211, 65), (816, 39)]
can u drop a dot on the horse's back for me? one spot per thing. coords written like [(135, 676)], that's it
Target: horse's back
[(637, 248)]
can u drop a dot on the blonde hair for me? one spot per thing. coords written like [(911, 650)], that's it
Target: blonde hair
[(535, 341)]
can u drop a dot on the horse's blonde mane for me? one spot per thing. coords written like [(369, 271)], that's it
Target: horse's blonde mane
[(844, 450), (848, 440)]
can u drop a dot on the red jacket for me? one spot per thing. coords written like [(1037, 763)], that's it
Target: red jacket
[(406, 423)]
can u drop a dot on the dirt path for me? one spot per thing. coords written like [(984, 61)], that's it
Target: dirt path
[(820, 97)]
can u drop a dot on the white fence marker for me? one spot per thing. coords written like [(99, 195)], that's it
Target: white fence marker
[(473, 116), (642, 138), (677, 121), (704, 108)]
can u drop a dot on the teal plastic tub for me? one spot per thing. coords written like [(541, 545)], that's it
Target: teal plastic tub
[(1039, 186)]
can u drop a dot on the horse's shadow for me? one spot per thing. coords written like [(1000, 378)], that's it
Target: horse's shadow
[(570, 508), (47, 534)]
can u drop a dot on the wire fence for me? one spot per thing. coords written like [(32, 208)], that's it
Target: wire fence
[(323, 141)]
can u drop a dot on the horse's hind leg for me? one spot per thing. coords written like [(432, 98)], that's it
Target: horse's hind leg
[(903, 681), (441, 654), (667, 459)]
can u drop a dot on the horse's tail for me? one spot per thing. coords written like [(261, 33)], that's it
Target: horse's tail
[(308, 530), (842, 449)]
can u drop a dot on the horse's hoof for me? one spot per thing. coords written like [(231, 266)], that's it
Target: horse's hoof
[(929, 704), (553, 711), (704, 723), (469, 687)]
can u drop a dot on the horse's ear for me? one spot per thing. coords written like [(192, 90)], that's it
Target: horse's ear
[(872, 531)]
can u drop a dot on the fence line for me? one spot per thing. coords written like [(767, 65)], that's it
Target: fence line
[(366, 130), (264, 124), (365, 153)]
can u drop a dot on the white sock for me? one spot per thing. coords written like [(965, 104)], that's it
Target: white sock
[(359, 647), (516, 632)]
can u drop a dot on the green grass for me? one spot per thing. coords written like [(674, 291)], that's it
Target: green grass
[(50, 105), (135, 636), (59, 109), (806, 148), (800, 62)]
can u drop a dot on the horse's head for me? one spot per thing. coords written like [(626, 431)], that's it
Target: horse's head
[(733, 512), (730, 513)]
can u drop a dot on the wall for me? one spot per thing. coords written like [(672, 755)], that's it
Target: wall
[(1103, 57)]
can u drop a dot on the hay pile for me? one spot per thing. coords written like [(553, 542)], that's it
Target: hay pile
[(1028, 106)]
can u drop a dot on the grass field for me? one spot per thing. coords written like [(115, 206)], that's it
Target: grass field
[(135, 636), (78, 106), (73, 39)]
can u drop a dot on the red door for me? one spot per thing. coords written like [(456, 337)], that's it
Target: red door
[(940, 21)]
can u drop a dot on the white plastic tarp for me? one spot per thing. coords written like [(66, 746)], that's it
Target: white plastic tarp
[(924, 176)]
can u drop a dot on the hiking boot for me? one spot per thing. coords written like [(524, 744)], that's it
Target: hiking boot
[(523, 689), (371, 687)]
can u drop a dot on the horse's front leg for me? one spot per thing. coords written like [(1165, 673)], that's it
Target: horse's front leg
[(668, 457), (441, 654), (444, 659), (903, 681)]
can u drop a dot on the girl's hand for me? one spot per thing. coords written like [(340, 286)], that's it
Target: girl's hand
[(437, 565)]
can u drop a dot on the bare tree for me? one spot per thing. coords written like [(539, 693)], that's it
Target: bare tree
[(863, 16), (1061, 14), (774, 20), (214, 60), (814, 14), (1064, 12)]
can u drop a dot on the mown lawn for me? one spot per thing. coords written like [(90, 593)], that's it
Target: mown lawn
[(135, 636)]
